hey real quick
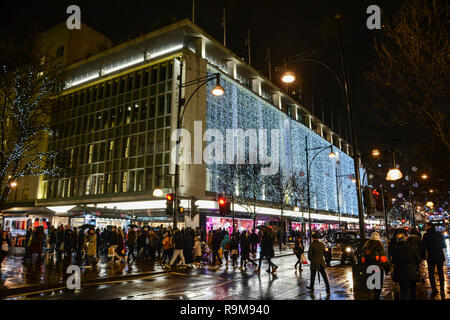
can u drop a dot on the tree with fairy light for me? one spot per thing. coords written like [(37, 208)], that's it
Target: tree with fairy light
[(28, 86)]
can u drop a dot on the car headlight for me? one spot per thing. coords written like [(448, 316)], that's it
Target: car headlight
[(348, 249)]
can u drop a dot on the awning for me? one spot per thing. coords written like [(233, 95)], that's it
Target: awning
[(24, 211), (99, 212)]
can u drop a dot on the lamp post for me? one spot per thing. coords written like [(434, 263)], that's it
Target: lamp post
[(331, 155), (200, 82)]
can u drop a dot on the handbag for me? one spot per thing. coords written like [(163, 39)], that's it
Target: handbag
[(304, 260)]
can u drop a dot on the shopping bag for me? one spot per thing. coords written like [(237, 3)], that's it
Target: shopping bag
[(220, 253), (304, 260)]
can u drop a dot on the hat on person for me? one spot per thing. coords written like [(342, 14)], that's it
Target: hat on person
[(375, 236)]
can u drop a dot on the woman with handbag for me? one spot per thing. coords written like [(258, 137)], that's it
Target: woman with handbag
[(5, 245), (299, 249)]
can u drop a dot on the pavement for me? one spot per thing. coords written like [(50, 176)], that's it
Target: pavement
[(143, 279)]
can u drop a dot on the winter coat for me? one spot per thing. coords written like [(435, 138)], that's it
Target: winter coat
[(131, 238), (36, 243), (112, 238), (373, 254), (245, 246), (234, 246), (253, 239), (266, 245), (179, 241), (299, 248), (226, 243), (197, 248), (315, 255), (416, 243), (216, 242), (433, 243), (52, 236), (90, 244), (405, 260)]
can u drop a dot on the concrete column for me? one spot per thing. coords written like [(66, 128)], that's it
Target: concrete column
[(231, 68), (294, 114), (309, 121), (256, 86), (340, 143), (277, 100), (330, 136), (200, 47)]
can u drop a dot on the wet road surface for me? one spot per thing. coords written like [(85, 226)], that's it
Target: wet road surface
[(150, 281)]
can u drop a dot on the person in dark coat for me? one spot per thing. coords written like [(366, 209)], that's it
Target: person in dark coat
[(299, 249), (315, 256), (415, 241), (373, 254), (405, 259), (266, 251), (131, 243), (37, 240), (433, 243), (188, 247), (215, 246), (179, 246), (253, 241), (5, 244), (27, 240)]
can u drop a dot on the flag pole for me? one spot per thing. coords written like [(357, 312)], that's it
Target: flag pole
[(249, 52), (224, 25)]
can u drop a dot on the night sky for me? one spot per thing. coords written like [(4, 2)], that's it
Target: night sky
[(286, 27)]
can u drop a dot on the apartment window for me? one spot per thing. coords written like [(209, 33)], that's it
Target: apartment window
[(161, 105), (133, 146), (124, 181), (143, 114), (141, 150), (111, 150), (152, 110), (154, 75), (145, 78), (126, 147), (137, 81), (91, 150), (162, 73)]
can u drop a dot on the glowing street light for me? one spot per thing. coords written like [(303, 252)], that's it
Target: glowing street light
[(13, 184), (375, 152), (158, 192), (424, 176), (394, 174), (430, 204), (288, 77)]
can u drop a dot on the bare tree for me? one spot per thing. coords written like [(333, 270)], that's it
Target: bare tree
[(410, 73), (28, 87), (250, 187), (279, 191), (299, 193)]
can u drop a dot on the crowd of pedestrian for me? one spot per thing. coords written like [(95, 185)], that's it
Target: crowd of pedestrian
[(173, 248)]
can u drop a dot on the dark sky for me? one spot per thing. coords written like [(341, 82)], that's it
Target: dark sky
[(287, 27)]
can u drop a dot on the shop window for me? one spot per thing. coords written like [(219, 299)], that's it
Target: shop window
[(161, 105), (152, 110)]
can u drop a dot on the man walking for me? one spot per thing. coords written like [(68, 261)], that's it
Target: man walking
[(179, 245), (315, 256), (433, 244)]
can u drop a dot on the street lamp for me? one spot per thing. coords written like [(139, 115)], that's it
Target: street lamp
[(217, 91), (288, 77), (424, 176), (158, 192), (430, 204), (394, 174), (375, 152)]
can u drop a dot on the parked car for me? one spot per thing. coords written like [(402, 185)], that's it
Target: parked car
[(341, 246)]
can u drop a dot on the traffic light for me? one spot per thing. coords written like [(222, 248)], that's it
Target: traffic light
[(194, 207), (180, 209), (369, 202), (378, 201), (169, 204), (222, 206)]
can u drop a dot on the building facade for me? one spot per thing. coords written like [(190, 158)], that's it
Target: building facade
[(118, 111)]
